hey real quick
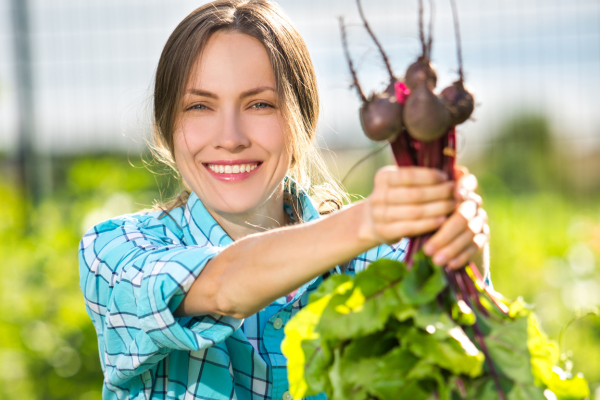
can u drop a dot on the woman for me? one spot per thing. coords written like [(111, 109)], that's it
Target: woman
[(189, 301)]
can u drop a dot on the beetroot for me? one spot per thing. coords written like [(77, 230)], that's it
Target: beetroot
[(457, 99), (381, 113)]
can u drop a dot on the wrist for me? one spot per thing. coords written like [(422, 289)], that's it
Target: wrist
[(365, 231)]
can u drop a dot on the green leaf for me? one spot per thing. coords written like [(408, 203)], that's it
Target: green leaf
[(568, 388), (423, 282), (462, 313), (299, 329), (456, 354), (387, 377), (328, 286), (367, 307), (431, 318), (318, 358), (373, 345), (507, 345)]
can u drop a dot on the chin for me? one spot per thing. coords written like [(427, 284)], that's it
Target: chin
[(239, 200)]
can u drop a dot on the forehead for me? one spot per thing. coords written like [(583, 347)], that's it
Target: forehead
[(231, 62)]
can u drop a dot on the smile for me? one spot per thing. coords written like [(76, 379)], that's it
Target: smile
[(232, 168), (233, 171)]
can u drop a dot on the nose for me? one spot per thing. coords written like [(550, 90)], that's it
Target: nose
[(231, 136)]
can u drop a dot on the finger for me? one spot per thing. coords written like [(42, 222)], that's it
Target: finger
[(467, 255), (454, 248), (391, 233), (409, 176), (419, 194), (413, 212), (464, 257), (460, 171), (469, 182), (476, 225), (468, 209), (454, 226)]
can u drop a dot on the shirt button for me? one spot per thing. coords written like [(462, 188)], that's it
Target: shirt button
[(277, 324), (287, 396)]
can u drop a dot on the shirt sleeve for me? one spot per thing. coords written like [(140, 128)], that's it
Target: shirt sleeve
[(394, 252), (133, 276)]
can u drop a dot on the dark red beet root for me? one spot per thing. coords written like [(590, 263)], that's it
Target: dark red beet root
[(420, 72), (458, 101), (425, 116), (381, 115)]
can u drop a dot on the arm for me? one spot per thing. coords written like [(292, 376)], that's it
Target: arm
[(256, 270)]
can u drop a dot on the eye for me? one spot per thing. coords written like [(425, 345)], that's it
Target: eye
[(260, 106), (198, 107)]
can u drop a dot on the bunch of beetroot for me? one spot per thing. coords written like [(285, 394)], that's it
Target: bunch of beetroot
[(420, 125), (418, 122)]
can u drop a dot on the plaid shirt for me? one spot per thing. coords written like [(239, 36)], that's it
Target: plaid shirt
[(136, 269)]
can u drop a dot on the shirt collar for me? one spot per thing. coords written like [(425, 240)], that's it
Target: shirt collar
[(200, 228)]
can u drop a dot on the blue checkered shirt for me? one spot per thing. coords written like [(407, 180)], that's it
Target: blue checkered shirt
[(136, 269)]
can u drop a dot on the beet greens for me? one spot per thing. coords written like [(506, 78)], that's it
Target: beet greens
[(415, 330)]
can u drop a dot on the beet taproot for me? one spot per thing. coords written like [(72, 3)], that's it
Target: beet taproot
[(425, 116), (381, 115), (458, 101), (421, 72)]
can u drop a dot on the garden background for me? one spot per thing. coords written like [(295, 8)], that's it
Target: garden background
[(75, 86)]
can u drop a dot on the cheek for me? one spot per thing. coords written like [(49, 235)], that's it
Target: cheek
[(273, 138), (188, 139)]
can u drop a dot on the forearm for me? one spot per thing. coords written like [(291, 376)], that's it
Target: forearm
[(254, 271)]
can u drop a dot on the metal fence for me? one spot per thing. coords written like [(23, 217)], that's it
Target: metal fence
[(77, 75)]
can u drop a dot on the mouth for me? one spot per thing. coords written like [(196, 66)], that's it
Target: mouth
[(232, 168), (228, 170)]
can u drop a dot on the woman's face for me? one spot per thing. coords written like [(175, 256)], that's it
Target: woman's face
[(229, 138)]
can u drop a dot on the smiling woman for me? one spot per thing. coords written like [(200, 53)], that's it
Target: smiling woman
[(189, 300)]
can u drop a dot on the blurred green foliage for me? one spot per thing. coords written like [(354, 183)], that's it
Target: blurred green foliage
[(48, 346), (545, 247)]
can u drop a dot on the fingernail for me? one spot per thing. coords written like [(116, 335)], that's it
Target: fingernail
[(443, 175), (440, 259), (429, 249), (441, 219)]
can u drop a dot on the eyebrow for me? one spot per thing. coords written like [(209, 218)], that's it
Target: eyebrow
[(247, 93)]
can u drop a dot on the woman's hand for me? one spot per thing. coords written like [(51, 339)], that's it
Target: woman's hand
[(411, 201), (465, 235), (407, 201)]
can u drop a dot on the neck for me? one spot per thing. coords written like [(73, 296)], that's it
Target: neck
[(268, 215)]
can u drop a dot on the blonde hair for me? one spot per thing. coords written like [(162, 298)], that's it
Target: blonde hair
[(295, 80)]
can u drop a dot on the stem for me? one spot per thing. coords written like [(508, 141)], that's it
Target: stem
[(461, 388), (501, 306), (349, 59), (421, 30), (488, 359), (473, 291), (479, 336), (368, 28), (458, 44), (431, 17), (563, 330)]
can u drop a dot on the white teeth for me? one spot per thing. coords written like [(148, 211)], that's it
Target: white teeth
[(232, 169)]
